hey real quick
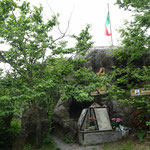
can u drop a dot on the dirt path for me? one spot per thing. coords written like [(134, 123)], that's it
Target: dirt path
[(64, 146)]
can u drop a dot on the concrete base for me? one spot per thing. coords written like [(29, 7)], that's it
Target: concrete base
[(92, 138)]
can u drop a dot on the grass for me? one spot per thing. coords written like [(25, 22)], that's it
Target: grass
[(127, 144), (68, 139), (47, 147)]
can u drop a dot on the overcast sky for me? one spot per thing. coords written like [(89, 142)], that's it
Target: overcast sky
[(84, 12)]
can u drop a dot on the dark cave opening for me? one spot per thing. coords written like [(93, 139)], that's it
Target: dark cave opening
[(77, 107)]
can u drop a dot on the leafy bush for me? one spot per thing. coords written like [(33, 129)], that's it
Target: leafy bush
[(48, 140), (28, 147), (9, 127), (16, 126), (132, 68), (6, 132), (68, 139), (141, 135)]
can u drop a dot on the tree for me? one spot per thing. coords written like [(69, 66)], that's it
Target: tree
[(37, 79), (132, 67), (141, 9)]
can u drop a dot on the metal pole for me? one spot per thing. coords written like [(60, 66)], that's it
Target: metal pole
[(110, 25)]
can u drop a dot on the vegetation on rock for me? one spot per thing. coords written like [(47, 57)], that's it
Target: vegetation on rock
[(40, 73), (132, 68)]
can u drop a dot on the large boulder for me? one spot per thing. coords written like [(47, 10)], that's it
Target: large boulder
[(66, 113), (35, 125), (100, 57), (62, 118)]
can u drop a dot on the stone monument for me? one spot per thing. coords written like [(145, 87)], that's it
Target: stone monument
[(94, 126)]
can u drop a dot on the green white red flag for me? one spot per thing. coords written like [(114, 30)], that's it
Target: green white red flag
[(107, 24)]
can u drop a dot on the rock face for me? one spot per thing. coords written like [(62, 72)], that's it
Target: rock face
[(67, 113), (35, 124), (62, 118), (100, 57)]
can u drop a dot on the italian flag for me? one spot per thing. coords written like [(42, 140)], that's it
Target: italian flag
[(106, 25)]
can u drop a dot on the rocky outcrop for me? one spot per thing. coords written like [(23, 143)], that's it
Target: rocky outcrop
[(66, 113), (62, 118), (100, 57), (35, 124)]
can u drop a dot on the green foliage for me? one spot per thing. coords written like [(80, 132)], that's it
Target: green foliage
[(40, 73), (68, 139), (141, 135), (51, 147), (94, 149), (27, 147), (16, 125), (141, 9), (132, 67), (127, 146), (8, 131), (47, 140), (39, 78), (134, 3), (48, 144)]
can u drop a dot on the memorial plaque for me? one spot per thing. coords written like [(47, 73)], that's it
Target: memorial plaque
[(103, 119)]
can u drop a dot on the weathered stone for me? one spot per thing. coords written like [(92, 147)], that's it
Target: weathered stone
[(68, 112), (94, 119), (123, 111), (35, 124), (92, 138), (100, 57), (62, 118), (61, 111)]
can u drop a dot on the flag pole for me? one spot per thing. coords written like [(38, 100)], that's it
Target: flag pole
[(110, 25)]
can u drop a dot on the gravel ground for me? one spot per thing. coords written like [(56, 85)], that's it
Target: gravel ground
[(64, 146)]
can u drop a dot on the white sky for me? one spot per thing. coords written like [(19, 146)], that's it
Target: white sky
[(84, 12), (91, 12)]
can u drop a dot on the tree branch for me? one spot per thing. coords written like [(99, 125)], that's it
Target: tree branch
[(63, 34), (12, 65)]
